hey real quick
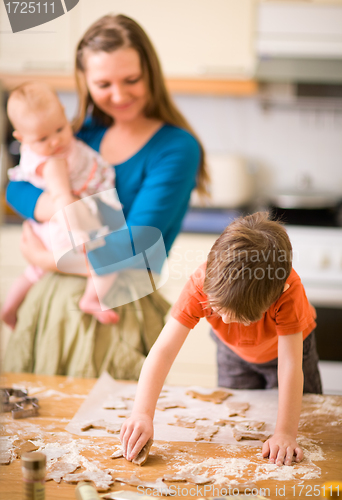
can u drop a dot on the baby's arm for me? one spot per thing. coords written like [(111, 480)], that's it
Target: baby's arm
[(138, 429), (282, 446), (56, 175)]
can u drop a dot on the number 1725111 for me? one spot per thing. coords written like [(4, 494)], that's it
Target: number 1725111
[(308, 491), (30, 7)]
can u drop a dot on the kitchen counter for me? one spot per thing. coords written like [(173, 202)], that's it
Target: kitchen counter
[(209, 220), (60, 398)]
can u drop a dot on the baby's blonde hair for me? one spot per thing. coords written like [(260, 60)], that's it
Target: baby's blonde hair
[(29, 97)]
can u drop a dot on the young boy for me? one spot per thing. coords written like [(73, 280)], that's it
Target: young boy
[(53, 160), (256, 304)]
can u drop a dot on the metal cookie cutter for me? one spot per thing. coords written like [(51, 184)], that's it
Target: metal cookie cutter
[(9, 397), (28, 407), (18, 402)]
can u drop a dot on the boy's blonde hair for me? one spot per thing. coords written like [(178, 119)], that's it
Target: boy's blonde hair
[(248, 266), (29, 97)]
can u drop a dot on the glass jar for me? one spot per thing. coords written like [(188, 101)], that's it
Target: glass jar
[(33, 466)]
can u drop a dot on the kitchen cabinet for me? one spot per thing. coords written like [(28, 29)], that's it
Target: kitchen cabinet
[(194, 38), (205, 48), (43, 49)]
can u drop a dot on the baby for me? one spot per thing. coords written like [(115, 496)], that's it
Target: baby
[(53, 160)]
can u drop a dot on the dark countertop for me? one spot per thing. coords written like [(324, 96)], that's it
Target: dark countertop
[(209, 220)]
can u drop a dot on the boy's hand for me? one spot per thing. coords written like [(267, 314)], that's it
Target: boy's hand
[(135, 433), (282, 449)]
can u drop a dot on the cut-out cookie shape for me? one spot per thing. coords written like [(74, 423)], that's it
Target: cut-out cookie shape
[(156, 486), (5, 457), (223, 421), (205, 432), (236, 408), (166, 404), (188, 478), (117, 453), (242, 433), (216, 397), (142, 456), (102, 424), (182, 421), (60, 469), (102, 479), (249, 425), (113, 428), (22, 446), (112, 403)]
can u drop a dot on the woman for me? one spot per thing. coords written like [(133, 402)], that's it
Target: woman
[(126, 114)]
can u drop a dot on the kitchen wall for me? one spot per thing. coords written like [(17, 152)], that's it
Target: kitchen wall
[(284, 144)]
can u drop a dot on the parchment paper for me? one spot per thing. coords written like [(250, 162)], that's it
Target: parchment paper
[(263, 407)]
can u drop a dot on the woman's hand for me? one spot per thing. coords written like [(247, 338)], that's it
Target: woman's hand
[(282, 449), (34, 251), (135, 433)]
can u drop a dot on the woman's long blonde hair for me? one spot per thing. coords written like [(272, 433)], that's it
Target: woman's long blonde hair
[(108, 34)]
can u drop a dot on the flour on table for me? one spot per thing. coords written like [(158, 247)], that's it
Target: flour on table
[(312, 451), (286, 472)]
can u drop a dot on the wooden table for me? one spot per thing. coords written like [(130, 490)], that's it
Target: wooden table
[(56, 411)]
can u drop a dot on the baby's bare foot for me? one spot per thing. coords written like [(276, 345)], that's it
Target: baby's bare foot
[(93, 308), (9, 316)]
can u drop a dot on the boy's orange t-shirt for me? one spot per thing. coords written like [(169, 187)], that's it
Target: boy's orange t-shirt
[(258, 342)]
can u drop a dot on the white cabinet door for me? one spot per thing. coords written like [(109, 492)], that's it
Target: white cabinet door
[(46, 48), (193, 38), (196, 361)]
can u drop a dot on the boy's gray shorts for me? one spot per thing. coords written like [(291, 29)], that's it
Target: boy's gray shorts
[(236, 373)]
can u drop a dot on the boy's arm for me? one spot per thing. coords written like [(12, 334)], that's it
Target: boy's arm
[(282, 446), (138, 429)]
